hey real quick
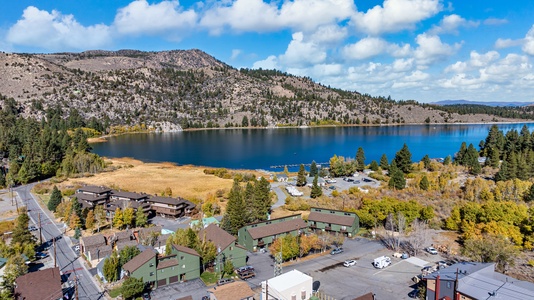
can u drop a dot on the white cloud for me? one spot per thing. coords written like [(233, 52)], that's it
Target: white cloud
[(365, 48), (302, 53), (372, 46), (140, 17), (329, 34), (451, 23), (395, 15), (475, 62), (54, 31), (507, 43), (269, 63), (235, 53), (403, 65), (528, 46), (431, 49), (495, 21), (259, 16)]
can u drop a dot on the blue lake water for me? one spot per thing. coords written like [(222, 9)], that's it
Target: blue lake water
[(262, 148)]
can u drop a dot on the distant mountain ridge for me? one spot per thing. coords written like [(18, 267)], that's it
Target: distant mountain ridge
[(489, 103), (169, 90)]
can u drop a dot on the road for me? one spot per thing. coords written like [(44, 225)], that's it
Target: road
[(67, 260)]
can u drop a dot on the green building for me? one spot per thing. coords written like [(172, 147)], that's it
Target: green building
[(182, 264), (262, 234), (347, 223), (227, 246)]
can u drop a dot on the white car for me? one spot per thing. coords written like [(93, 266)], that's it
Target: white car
[(432, 250), (77, 248), (349, 263)]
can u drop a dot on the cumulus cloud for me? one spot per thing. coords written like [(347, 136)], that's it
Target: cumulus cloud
[(54, 31), (301, 53), (395, 15), (372, 46), (431, 49), (528, 46), (451, 23), (269, 63), (329, 35), (476, 61), (259, 16), (140, 17)]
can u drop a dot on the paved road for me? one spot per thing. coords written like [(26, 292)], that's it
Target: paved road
[(67, 260), (281, 197)]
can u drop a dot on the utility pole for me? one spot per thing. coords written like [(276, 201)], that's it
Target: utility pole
[(75, 288), (55, 257), (40, 233)]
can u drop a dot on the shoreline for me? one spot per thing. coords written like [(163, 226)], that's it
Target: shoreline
[(103, 139)]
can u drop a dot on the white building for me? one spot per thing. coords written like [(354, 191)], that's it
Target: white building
[(293, 285)]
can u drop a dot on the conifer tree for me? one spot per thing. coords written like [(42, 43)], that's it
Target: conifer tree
[(529, 196), (21, 233), (426, 161), (233, 218), (384, 162), (503, 173), (301, 177), (396, 180), (374, 165), (424, 184), (459, 157), (447, 160), (262, 199), (140, 218), (316, 190), (313, 169), (111, 267), (403, 160), (55, 199), (2, 179), (360, 159)]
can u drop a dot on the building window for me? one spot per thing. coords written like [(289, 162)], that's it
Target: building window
[(448, 284), (162, 270), (151, 273), (182, 257), (343, 227), (231, 248), (183, 266), (151, 264)]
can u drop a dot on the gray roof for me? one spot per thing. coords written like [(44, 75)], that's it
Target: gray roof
[(94, 189), (167, 200), (325, 216), (277, 228), (90, 198), (93, 240), (217, 236), (141, 259), (99, 251), (127, 195), (123, 244)]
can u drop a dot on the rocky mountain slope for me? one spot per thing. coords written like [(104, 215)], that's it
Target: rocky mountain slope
[(190, 88)]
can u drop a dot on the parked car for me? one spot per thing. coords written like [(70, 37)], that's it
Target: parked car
[(357, 182), (32, 228), (247, 275), (224, 281), (432, 250), (428, 269), (41, 255), (332, 187), (77, 248), (244, 269), (146, 296), (336, 251), (367, 180), (349, 263), (414, 293), (350, 179)]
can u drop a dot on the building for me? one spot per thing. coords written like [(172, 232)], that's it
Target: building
[(238, 290), (320, 181), (337, 221), (123, 200), (473, 280), (38, 285), (182, 264), (282, 177), (262, 234), (90, 196), (171, 207), (293, 285), (94, 248), (227, 246)]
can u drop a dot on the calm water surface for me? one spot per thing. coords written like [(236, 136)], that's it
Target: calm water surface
[(262, 148)]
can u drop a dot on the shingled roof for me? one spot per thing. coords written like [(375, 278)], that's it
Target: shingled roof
[(185, 250), (94, 189), (218, 236), (128, 195), (171, 262), (93, 240), (43, 284), (327, 217), (277, 228), (141, 259), (232, 291)]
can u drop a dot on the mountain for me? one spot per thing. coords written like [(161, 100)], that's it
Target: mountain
[(189, 88), (491, 103)]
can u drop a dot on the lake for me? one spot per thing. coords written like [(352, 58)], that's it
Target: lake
[(263, 148)]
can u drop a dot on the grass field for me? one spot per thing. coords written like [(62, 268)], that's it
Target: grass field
[(132, 175)]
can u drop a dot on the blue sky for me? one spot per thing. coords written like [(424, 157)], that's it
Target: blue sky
[(426, 50)]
